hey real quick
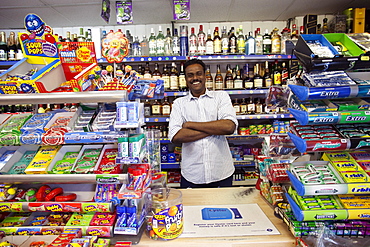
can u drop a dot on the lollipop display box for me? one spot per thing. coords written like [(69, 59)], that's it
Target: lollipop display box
[(317, 53), (32, 75)]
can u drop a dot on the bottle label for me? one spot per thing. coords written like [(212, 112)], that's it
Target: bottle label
[(251, 108), (237, 109), (276, 46), (217, 46), (156, 110), (166, 82), (160, 46), (147, 111), (277, 79), (248, 84), (219, 85), (243, 108), (268, 82), (3, 56), (201, 43), (238, 83), (182, 81), (209, 84), (174, 82), (209, 47), (166, 110), (152, 47), (230, 84), (156, 77), (193, 45), (258, 83), (259, 49), (225, 45)]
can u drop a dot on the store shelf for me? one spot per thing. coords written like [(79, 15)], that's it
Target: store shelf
[(7, 63), (264, 116), (175, 165), (148, 59), (243, 57), (232, 92), (66, 97), (60, 178)]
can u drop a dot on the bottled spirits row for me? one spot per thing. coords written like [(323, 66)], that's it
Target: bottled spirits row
[(247, 76)]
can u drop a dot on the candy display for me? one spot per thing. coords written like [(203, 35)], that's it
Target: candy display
[(42, 159), (87, 159)]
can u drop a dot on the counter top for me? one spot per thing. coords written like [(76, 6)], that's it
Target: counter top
[(224, 196)]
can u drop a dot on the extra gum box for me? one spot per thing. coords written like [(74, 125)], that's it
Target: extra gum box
[(337, 156), (42, 160)]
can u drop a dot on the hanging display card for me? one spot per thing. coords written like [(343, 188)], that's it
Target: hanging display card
[(181, 9), (124, 12)]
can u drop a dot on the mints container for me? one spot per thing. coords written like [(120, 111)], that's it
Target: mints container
[(165, 214)]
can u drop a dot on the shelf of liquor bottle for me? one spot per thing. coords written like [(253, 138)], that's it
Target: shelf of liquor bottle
[(243, 57), (229, 91), (175, 165), (148, 59), (65, 97), (162, 119), (7, 63), (60, 178)]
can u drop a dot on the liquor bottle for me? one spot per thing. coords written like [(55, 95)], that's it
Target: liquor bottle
[(81, 37), (325, 28), (259, 39), (216, 41), (144, 45), (152, 44), (318, 29), (201, 39), (277, 74), (156, 108), (130, 41), (174, 78), (250, 45), (266, 43), (267, 76), (251, 107), (294, 34), (175, 43), (209, 43), (285, 37), (3, 47), (184, 41), (12, 46), (232, 42), (258, 106), (301, 30), (193, 44), (224, 41), (147, 71), (219, 81), (68, 37), (257, 79), (182, 81), (156, 73), (19, 54), (166, 78), (209, 78), (89, 35), (229, 79), (241, 41), (248, 77), (243, 107), (236, 106), (168, 43), (140, 69), (166, 107), (275, 42), (160, 42), (136, 48), (147, 108), (238, 80), (284, 74)]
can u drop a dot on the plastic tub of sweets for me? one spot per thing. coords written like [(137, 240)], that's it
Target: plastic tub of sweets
[(165, 213)]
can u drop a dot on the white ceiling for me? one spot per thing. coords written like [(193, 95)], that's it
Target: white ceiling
[(74, 13)]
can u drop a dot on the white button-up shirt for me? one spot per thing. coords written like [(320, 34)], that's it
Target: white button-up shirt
[(209, 159)]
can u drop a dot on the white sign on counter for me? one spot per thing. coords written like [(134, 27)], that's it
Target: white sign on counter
[(226, 221)]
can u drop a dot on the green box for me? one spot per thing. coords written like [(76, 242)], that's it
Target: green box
[(352, 50)]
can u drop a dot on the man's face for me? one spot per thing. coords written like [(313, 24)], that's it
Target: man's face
[(195, 79)]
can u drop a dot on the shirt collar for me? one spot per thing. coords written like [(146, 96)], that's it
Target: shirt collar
[(208, 93)]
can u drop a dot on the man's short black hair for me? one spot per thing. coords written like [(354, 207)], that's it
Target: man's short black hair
[(195, 61)]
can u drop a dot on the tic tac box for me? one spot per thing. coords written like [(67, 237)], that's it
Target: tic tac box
[(359, 20), (310, 24)]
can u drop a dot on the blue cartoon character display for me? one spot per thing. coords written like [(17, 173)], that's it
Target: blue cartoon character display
[(40, 40)]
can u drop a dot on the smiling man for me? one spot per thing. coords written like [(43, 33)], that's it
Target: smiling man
[(200, 121)]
